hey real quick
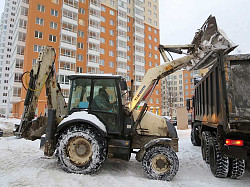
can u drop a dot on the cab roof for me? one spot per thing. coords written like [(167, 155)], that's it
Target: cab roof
[(94, 76)]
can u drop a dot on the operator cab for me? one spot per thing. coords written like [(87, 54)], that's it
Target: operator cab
[(100, 95)]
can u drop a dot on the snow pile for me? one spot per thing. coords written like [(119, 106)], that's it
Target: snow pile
[(7, 125), (23, 164)]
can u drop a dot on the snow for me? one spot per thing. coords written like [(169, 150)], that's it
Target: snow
[(85, 115), (23, 164)]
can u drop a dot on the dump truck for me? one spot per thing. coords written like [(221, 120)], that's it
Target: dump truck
[(221, 115), (99, 122)]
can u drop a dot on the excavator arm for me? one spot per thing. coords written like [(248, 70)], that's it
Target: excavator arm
[(200, 53), (42, 74)]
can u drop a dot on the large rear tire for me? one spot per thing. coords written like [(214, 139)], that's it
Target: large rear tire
[(219, 164), (81, 149), (160, 163), (236, 168), (195, 139), (205, 138)]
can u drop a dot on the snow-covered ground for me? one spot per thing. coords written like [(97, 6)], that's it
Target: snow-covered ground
[(23, 164)]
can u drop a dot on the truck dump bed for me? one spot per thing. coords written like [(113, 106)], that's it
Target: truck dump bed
[(222, 96), (237, 69)]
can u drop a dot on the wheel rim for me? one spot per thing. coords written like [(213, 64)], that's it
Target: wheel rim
[(79, 151), (160, 163)]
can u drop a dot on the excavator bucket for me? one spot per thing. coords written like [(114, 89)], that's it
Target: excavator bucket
[(207, 41)]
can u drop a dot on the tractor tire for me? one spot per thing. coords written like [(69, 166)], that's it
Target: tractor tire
[(205, 137), (195, 139), (81, 149), (160, 163), (236, 168), (219, 164)]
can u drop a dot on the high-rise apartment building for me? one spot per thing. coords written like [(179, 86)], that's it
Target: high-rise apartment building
[(90, 36), (8, 18), (177, 88)]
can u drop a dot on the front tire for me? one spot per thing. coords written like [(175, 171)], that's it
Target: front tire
[(219, 164), (81, 149), (160, 163)]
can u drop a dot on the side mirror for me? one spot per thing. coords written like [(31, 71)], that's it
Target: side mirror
[(123, 85), (188, 104)]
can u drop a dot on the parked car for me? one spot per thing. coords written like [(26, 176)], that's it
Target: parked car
[(1, 132)]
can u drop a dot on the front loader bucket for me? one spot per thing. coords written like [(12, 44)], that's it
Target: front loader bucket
[(207, 41)]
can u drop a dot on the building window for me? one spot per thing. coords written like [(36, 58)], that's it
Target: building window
[(38, 34), (111, 22), (18, 77), (149, 37), (81, 11), (79, 69), (40, 8), (111, 64), (112, 12), (186, 92), (64, 79), (111, 42), (157, 101), (102, 51), (150, 63), (103, 9), (102, 62), (54, 12), (155, 39), (52, 38), (16, 92), (55, 1), (80, 33), (103, 29), (81, 22), (111, 53), (150, 55), (80, 57), (53, 25), (103, 19), (102, 40), (39, 21), (151, 100), (111, 32), (80, 45), (37, 48), (156, 56)]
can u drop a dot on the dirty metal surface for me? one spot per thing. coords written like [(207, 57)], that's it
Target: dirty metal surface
[(238, 86)]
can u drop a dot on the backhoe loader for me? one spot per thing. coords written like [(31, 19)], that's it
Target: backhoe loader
[(98, 123)]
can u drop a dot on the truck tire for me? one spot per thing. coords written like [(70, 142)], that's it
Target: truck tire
[(219, 164), (160, 163), (81, 149), (195, 139), (205, 137), (236, 168)]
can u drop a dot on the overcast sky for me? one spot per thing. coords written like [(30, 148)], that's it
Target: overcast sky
[(180, 19)]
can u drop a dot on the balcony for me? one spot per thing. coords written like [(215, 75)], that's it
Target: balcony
[(67, 45), (70, 8), (69, 20), (67, 59), (69, 33), (121, 70), (93, 64)]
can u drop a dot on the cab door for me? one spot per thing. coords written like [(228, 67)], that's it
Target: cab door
[(106, 106)]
